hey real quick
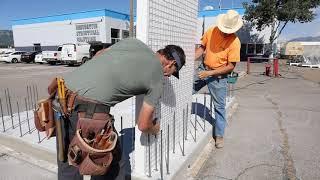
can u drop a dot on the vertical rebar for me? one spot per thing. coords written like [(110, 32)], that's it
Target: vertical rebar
[(187, 120), (7, 101), (39, 140), (183, 129), (37, 93), (28, 100), (121, 121), (204, 112), (195, 121), (161, 156), (168, 147), (34, 97), (174, 133), (29, 97), (19, 119), (3, 125), (156, 152), (149, 156), (10, 108), (29, 130), (10, 105), (211, 112)]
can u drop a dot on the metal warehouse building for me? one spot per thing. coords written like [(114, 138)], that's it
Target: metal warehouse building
[(47, 33)]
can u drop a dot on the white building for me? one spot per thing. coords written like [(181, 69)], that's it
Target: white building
[(47, 33)]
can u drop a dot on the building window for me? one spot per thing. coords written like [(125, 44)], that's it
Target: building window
[(37, 47), (259, 49), (125, 34), (115, 35), (251, 49)]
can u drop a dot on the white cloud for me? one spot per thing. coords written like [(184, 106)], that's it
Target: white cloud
[(207, 8)]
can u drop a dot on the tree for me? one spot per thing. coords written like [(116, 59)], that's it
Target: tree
[(278, 13)]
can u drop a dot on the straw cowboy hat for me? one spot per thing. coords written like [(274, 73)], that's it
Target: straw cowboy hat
[(230, 22)]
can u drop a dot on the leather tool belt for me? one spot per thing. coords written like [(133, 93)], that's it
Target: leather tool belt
[(44, 115), (91, 149)]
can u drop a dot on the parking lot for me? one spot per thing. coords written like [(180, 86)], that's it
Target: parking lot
[(16, 77)]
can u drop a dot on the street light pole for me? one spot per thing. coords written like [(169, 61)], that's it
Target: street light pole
[(131, 18)]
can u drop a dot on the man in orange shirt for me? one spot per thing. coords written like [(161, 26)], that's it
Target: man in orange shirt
[(222, 51)]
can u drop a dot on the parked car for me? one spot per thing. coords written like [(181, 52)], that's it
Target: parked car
[(14, 57), (75, 54), (29, 57), (96, 46), (39, 59), (4, 55), (52, 57)]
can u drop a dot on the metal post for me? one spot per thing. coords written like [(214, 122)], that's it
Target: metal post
[(168, 147), (149, 156), (204, 112), (3, 125), (248, 65), (19, 119), (183, 129), (174, 133), (161, 156)]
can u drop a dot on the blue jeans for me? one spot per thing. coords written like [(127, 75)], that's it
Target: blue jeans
[(218, 90)]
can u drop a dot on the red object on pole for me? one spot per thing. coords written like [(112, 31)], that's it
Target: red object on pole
[(276, 67), (248, 65)]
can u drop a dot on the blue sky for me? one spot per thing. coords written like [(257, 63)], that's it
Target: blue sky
[(19, 9)]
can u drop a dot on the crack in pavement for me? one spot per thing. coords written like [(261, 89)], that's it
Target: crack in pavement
[(289, 169)]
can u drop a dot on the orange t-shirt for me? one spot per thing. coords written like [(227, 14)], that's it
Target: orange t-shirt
[(219, 49)]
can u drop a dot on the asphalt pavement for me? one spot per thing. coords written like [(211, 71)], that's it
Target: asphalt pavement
[(274, 133)]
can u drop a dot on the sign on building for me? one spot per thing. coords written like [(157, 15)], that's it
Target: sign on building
[(87, 32)]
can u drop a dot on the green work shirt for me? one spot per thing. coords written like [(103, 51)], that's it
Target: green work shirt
[(126, 69)]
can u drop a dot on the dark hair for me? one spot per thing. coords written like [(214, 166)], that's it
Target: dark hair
[(169, 49)]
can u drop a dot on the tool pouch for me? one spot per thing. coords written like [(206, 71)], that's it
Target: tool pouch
[(43, 115), (84, 151)]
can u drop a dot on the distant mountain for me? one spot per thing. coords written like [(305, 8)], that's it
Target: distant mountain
[(6, 38), (308, 39)]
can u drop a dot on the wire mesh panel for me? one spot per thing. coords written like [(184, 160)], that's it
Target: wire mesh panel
[(165, 22)]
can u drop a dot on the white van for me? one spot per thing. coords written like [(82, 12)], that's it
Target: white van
[(75, 54)]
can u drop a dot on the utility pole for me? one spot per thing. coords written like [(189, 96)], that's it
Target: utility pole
[(220, 4), (131, 18)]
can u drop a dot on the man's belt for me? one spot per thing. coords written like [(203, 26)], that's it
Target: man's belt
[(219, 76), (83, 104)]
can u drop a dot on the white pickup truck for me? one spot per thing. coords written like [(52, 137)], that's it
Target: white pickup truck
[(52, 57)]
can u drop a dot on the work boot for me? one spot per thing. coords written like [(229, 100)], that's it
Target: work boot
[(219, 142)]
